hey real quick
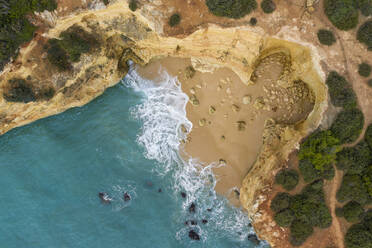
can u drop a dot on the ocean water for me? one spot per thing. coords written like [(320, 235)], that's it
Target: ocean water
[(125, 141)]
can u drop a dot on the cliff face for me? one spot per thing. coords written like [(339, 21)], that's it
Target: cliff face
[(32, 88)]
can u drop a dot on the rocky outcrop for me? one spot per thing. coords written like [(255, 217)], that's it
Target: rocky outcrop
[(31, 88)]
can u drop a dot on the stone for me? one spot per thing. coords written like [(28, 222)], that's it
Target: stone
[(192, 91), (247, 99), (183, 194), (259, 103), (204, 221), (222, 161), (192, 208), (223, 138), (104, 197), (193, 235), (235, 108), (194, 101), (212, 110), (253, 238), (202, 122), (219, 88), (228, 91), (198, 86), (126, 196), (241, 125)]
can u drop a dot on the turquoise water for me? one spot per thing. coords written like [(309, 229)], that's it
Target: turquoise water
[(124, 141)]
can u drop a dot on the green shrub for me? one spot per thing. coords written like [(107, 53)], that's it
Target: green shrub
[(253, 21), (364, 34), (133, 5), (174, 20), (367, 180), (340, 91), (20, 91), (15, 29), (300, 231), (353, 211), (368, 136), (284, 218), (326, 37), (342, 13), (280, 202), (348, 125), (268, 6), (287, 178), (369, 82), (359, 236), (339, 212), (365, 7), (318, 150), (354, 159), (364, 69), (233, 9), (353, 188)]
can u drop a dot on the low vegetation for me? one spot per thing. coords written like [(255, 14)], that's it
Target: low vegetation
[(253, 21), (342, 13), (340, 91), (71, 44), (133, 5), (364, 34), (15, 27), (317, 155), (364, 69), (302, 212), (232, 9), (326, 37), (288, 179), (174, 20), (268, 6), (360, 235)]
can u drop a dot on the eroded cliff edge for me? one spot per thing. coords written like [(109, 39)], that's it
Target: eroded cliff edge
[(32, 88)]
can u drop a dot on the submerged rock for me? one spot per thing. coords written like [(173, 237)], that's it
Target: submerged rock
[(192, 208), (253, 238), (126, 197), (204, 221), (193, 235), (104, 197)]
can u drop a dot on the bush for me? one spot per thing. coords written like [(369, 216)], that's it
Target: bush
[(233, 9), (367, 180), (268, 6), (318, 150), (365, 7), (20, 91), (354, 159), (353, 211), (353, 188), (133, 5), (300, 231), (348, 125), (368, 136), (326, 37), (364, 34), (281, 201), (284, 218), (174, 20), (342, 13), (359, 236), (15, 27), (72, 43), (287, 178), (364, 69), (340, 91), (253, 21)]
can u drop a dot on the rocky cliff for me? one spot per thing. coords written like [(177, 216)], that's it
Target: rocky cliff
[(32, 88)]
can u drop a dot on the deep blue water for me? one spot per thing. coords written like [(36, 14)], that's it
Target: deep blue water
[(52, 170)]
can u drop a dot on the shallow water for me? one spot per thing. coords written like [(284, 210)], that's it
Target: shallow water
[(126, 140)]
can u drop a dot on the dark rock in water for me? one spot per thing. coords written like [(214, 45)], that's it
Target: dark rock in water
[(192, 208), (104, 197), (159, 190), (253, 238), (237, 192), (209, 209), (183, 194), (249, 224), (191, 222), (204, 221), (126, 197), (193, 235), (240, 233)]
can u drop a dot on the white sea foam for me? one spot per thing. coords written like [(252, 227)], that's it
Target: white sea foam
[(163, 112)]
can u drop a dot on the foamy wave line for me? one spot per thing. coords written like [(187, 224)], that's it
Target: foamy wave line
[(162, 113)]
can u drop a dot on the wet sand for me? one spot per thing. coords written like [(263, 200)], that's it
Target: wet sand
[(228, 116)]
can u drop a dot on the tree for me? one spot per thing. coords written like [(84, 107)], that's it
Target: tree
[(365, 7), (342, 13), (233, 9), (364, 34), (287, 178), (281, 201), (353, 211), (300, 231), (342, 95), (133, 5), (364, 69), (268, 6), (354, 159), (358, 236), (174, 20), (348, 125), (284, 218), (353, 188), (326, 37)]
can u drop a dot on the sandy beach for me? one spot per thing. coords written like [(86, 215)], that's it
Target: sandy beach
[(229, 117)]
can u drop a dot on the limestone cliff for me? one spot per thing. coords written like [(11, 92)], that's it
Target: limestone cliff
[(124, 35)]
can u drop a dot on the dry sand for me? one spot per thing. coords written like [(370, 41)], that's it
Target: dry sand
[(232, 131)]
